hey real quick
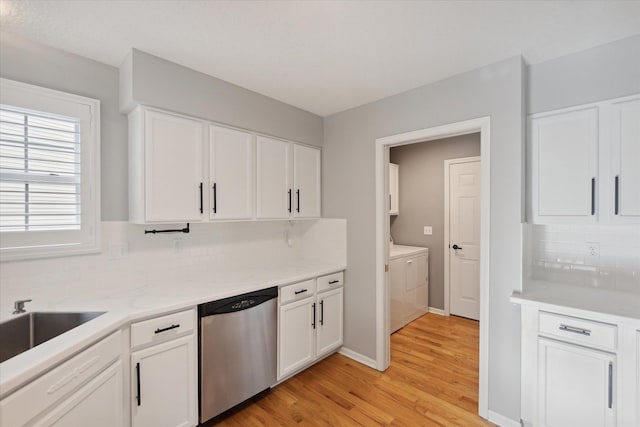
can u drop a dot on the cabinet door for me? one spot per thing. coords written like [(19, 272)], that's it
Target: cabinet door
[(397, 302), (275, 198), (417, 286), (394, 189), (97, 404), (306, 181), (625, 156), (330, 319), (173, 168), (297, 336), (565, 167), (576, 385), (230, 173), (163, 384)]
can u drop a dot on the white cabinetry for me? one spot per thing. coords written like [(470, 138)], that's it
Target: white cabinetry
[(288, 178), (394, 189), (163, 371), (310, 322), (409, 284), (165, 167), (230, 173), (584, 163), (78, 392)]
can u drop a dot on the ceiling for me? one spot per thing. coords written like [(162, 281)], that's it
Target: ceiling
[(323, 56)]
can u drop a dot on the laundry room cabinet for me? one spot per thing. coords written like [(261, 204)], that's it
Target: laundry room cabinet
[(288, 180), (584, 164)]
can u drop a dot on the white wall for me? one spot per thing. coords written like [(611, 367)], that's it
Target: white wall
[(349, 191)]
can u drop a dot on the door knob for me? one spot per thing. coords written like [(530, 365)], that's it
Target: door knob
[(456, 247)]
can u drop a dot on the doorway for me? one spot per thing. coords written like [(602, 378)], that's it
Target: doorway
[(382, 148)]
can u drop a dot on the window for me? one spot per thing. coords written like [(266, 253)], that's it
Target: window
[(49, 172)]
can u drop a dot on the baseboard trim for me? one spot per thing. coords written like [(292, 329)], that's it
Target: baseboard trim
[(437, 311), (358, 357), (502, 421)]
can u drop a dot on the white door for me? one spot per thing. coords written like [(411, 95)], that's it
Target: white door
[(565, 167), (173, 168), (330, 315), (576, 386), (96, 404), (625, 150), (464, 239), (166, 377), (394, 189), (306, 181), (297, 335), (275, 197), (231, 173)]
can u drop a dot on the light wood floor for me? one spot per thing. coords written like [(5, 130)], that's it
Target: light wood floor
[(432, 381)]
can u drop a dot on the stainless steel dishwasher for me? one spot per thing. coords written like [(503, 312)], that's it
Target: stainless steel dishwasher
[(238, 350)]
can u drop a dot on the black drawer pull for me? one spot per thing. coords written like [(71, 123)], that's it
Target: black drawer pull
[(334, 282), (138, 397), (322, 312), (313, 307), (168, 328), (301, 291), (201, 202)]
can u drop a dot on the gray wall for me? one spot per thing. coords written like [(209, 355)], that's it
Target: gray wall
[(608, 71), (349, 192), (36, 64), (422, 200), (149, 80)]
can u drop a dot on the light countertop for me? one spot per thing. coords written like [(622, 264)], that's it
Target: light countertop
[(140, 302), (397, 251), (548, 295)]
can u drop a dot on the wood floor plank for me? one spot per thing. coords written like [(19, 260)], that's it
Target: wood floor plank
[(432, 381)]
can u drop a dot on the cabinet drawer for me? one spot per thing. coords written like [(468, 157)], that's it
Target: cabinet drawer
[(28, 402), (162, 328), (330, 281), (297, 291), (577, 330)]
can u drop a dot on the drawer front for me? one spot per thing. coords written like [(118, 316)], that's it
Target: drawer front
[(330, 281), (31, 400), (577, 330), (162, 328), (297, 291)]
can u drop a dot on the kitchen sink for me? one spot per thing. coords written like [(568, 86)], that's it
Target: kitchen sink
[(29, 330)]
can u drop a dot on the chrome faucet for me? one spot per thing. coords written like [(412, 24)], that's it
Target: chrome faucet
[(19, 306)]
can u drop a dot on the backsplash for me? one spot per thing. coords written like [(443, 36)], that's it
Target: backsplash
[(595, 256), (130, 259)]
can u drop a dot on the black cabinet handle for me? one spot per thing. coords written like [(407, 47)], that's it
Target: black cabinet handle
[(333, 282), (289, 200), (313, 307), (322, 312), (215, 198), (298, 197), (616, 209), (593, 196), (168, 328), (201, 206), (301, 291), (138, 383), (610, 389)]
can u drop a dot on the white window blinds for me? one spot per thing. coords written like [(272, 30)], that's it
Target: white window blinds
[(40, 176)]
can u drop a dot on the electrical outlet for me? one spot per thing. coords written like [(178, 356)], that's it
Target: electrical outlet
[(428, 230), (118, 251), (592, 254)]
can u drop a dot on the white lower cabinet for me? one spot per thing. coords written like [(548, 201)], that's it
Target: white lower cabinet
[(310, 320), (163, 375), (576, 385), (99, 403)]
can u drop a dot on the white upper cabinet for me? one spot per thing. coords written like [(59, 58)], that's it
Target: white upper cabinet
[(306, 180), (275, 198), (625, 164), (230, 173), (394, 189), (166, 168), (288, 179), (584, 164), (565, 166)]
